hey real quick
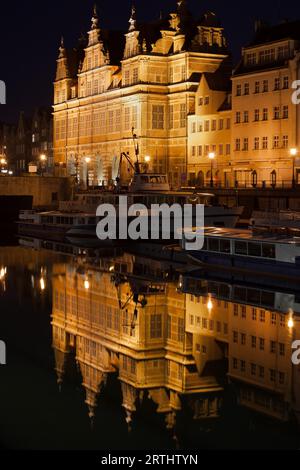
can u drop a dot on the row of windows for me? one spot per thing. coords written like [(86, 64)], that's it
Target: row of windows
[(212, 125), (259, 371), (263, 87), (278, 113), (241, 310), (267, 55), (262, 143), (259, 343), (204, 150), (209, 324)]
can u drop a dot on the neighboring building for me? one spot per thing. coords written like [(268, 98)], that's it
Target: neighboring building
[(42, 137), (34, 137), (265, 121), (7, 143), (147, 81), (210, 131)]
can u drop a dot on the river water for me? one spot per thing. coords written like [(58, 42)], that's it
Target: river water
[(116, 349)]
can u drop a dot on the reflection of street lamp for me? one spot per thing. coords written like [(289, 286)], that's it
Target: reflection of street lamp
[(210, 305), (211, 156), (43, 159), (293, 153), (291, 323), (3, 162), (87, 161)]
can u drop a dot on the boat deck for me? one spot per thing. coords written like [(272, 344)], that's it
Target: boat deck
[(285, 236)]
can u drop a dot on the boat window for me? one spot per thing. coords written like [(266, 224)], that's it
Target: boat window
[(225, 246), (268, 250), (254, 249), (241, 248), (214, 244)]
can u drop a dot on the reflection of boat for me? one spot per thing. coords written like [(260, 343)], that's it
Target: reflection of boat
[(264, 250)]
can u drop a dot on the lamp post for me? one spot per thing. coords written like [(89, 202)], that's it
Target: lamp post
[(211, 156), (43, 159), (293, 153), (87, 161)]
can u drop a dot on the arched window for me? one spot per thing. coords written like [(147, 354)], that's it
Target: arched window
[(273, 178), (254, 178)]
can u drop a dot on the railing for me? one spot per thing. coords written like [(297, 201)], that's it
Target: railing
[(246, 185)]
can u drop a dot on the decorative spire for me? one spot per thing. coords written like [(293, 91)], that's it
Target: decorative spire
[(132, 20), (62, 49), (95, 18)]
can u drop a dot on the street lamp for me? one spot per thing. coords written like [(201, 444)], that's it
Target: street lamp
[(211, 156), (87, 161), (293, 153), (43, 159), (147, 159)]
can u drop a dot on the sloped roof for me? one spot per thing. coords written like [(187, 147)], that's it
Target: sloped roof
[(278, 32)]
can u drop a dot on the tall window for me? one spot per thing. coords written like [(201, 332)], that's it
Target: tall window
[(127, 119), (277, 84), (246, 144), (246, 116), (265, 143), (238, 145), (265, 86), (246, 89), (256, 115), (285, 112), (238, 90), (276, 141), (157, 117), (276, 112), (135, 77), (256, 143), (238, 117), (156, 326), (265, 114), (183, 115), (257, 87), (285, 83), (171, 116), (285, 141)]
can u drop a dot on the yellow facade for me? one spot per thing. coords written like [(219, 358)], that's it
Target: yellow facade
[(153, 89)]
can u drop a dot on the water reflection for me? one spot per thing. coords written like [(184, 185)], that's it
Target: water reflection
[(197, 348)]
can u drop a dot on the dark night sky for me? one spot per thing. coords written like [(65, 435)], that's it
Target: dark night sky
[(30, 32)]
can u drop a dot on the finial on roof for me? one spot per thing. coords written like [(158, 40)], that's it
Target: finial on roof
[(132, 19), (95, 18), (62, 49)]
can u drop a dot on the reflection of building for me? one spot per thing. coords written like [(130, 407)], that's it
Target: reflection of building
[(103, 316), (257, 341), (147, 80)]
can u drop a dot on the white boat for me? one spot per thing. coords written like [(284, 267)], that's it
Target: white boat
[(77, 218)]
